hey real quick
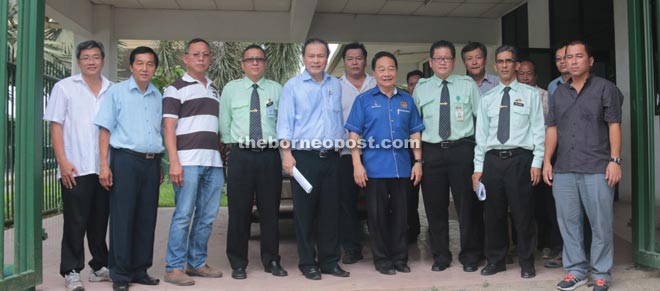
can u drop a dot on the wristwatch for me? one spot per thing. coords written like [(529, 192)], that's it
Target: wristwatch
[(616, 160), (420, 161)]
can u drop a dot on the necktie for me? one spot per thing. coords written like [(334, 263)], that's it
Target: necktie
[(505, 116), (255, 115), (445, 120)]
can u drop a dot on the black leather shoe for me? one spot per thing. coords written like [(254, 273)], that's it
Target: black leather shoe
[(276, 269), (492, 269), (438, 267), (403, 268), (469, 268), (337, 271), (351, 257), (119, 286), (386, 271), (239, 273), (146, 280), (528, 273), (312, 274)]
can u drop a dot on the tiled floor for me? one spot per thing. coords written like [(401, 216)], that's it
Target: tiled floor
[(363, 275)]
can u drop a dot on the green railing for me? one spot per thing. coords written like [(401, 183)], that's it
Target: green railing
[(24, 270)]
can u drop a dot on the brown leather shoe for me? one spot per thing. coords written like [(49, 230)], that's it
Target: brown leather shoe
[(205, 271), (179, 278)]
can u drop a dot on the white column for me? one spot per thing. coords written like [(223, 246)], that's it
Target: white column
[(103, 31), (538, 19)]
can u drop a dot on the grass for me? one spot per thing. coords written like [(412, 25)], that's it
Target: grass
[(166, 198)]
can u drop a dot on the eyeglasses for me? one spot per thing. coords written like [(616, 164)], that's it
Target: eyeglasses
[(89, 59), (507, 61), (197, 55), (252, 60), (445, 60)]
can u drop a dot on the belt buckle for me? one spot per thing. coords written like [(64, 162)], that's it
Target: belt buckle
[(445, 144), (505, 154), (256, 150), (149, 156), (323, 154)]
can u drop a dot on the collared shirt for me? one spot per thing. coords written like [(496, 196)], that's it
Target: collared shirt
[(582, 122), (310, 112), (133, 118), (235, 109), (526, 128), (195, 106), (348, 95), (385, 121), (464, 98), (489, 82), (73, 105), (544, 101), (552, 86)]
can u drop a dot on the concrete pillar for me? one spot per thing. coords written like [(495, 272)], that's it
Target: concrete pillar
[(538, 19), (623, 82), (103, 31)]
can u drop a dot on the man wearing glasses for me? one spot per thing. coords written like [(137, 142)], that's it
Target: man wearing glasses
[(248, 120), (507, 160), (190, 127), (448, 104)]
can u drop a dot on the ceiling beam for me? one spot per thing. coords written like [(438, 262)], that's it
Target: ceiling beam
[(74, 15), (300, 19), (334, 27)]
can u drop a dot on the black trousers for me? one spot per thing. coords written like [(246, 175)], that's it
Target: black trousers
[(386, 207), (450, 167), (546, 218), (133, 210), (350, 236), (253, 174), (85, 212), (413, 204), (508, 184), (316, 214)]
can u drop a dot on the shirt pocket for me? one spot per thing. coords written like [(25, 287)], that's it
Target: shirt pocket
[(238, 103), (428, 111), (462, 109), (520, 116)]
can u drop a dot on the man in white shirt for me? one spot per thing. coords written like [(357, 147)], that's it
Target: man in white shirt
[(70, 110)]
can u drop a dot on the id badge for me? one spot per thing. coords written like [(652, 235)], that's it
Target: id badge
[(270, 111), (460, 116)]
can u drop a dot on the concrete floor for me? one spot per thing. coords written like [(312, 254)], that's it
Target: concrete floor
[(363, 276)]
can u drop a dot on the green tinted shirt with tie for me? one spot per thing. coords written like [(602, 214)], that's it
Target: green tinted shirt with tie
[(526, 125), (235, 109), (464, 101)]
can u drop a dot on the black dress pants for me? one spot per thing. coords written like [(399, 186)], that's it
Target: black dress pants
[(413, 203), (449, 166), (386, 208), (133, 211), (85, 212), (350, 234), (253, 174), (316, 214), (546, 218), (507, 183)]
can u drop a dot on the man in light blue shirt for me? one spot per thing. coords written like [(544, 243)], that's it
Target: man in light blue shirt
[(474, 55), (309, 127), (562, 67), (130, 127), (510, 143)]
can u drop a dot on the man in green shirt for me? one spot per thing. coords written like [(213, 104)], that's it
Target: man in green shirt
[(448, 104), (510, 136), (248, 118)]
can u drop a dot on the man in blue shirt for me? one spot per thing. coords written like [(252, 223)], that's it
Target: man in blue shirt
[(389, 118), (130, 128), (562, 67), (309, 127)]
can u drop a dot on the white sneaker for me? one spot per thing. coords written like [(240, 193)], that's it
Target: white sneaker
[(100, 275), (72, 282)]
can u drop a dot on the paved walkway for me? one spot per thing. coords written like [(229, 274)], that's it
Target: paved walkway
[(363, 275)]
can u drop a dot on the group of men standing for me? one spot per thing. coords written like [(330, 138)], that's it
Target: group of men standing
[(461, 133)]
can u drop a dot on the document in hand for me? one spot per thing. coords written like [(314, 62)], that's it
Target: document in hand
[(302, 180), (481, 192)]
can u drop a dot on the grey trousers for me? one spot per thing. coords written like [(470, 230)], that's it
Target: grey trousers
[(590, 190)]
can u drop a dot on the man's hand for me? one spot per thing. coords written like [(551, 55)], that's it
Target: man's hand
[(476, 177), (547, 173), (288, 162), (613, 174), (416, 174), (69, 173), (176, 173), (105, 177), (535, 173), (360, 175)]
